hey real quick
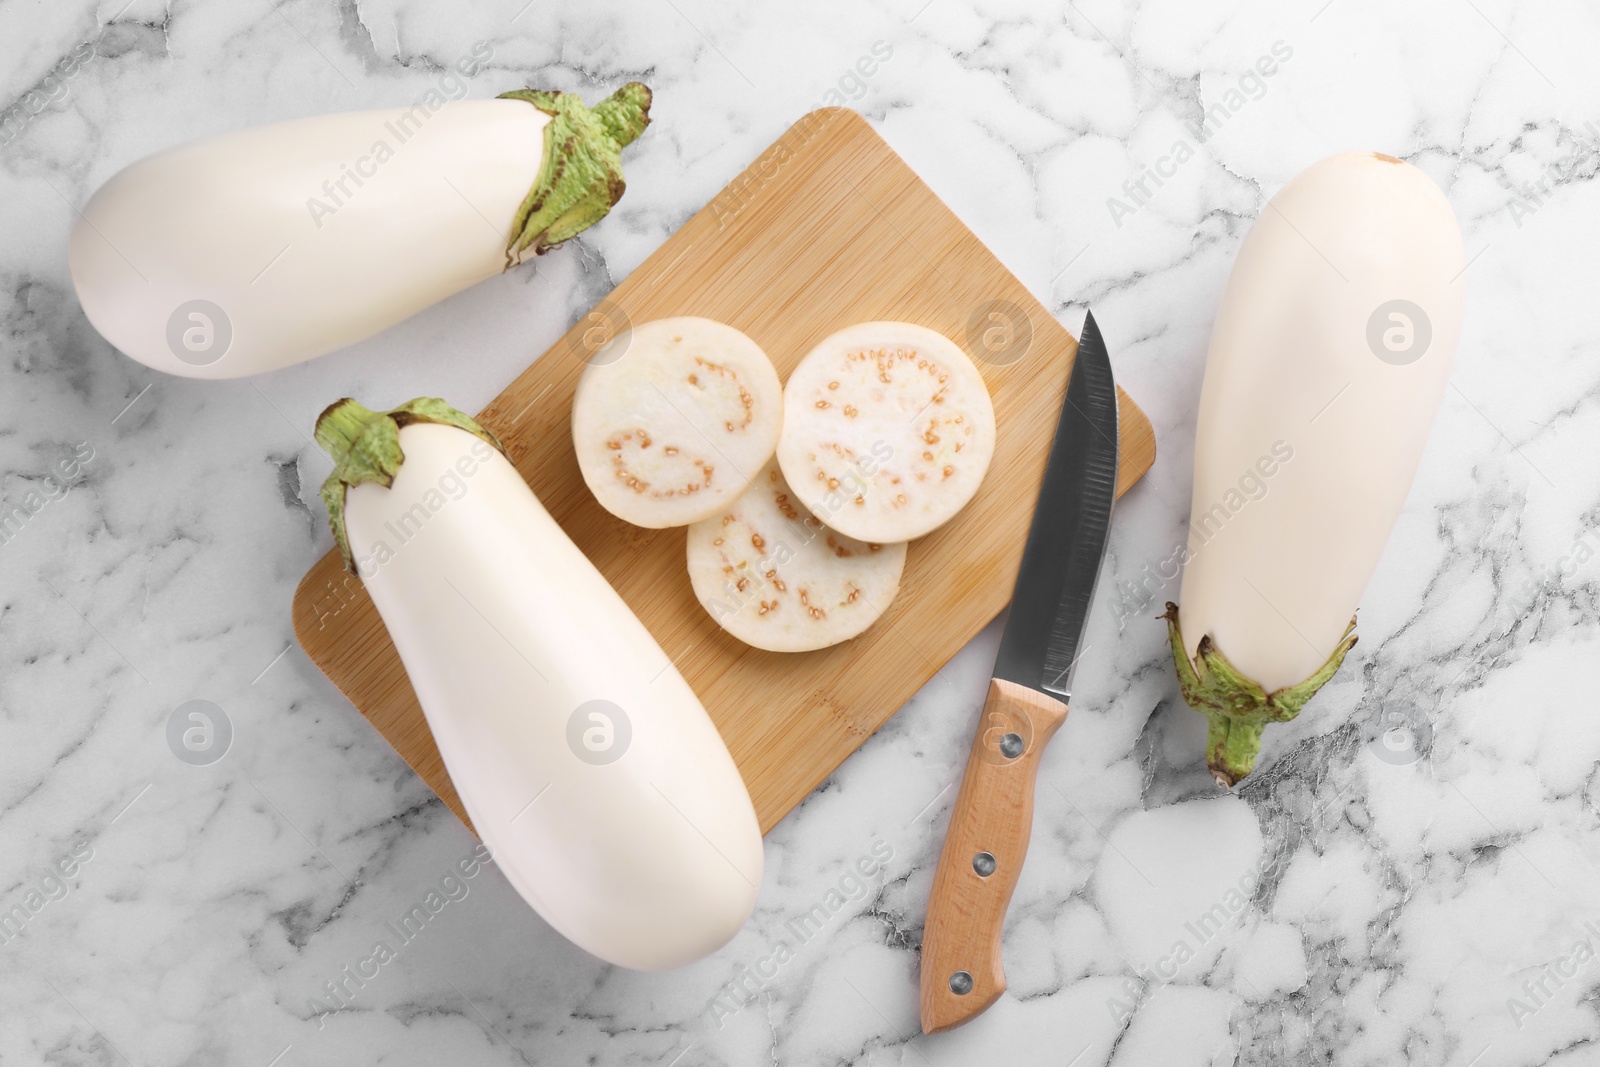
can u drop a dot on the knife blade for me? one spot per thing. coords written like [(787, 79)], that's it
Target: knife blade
[(1027, 700)]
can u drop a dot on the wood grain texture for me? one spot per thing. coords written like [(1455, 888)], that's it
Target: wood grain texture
[(827, 228), (993, 816)]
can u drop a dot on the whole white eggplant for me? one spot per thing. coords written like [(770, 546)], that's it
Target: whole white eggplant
[(582, 756), (1328, 358), (253, 250)]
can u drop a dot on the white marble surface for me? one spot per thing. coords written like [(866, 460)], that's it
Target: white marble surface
[(1399, 905)]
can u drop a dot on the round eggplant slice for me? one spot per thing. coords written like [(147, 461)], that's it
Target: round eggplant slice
[(673, 418), (888, 431), (774, 577)]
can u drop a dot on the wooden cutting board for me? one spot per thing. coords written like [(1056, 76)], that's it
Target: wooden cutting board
[(827, 228)]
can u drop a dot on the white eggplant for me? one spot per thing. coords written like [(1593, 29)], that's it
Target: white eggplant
[(253, 250), (582, 756), (1329, 355)]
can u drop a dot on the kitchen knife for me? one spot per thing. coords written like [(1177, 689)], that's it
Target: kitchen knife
[(1027, 700)]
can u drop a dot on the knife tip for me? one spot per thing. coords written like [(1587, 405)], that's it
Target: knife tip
[(1091, 329)]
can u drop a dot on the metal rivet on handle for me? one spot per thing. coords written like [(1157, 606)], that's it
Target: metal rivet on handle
[(961, 983), (983, 863), (1011, 745)]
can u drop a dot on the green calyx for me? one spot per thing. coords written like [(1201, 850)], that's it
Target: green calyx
[(1236, 706), (580, 177), (365, 447)]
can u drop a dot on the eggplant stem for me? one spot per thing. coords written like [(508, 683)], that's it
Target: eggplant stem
[(1236, 706), (580, 172), (365, 447)]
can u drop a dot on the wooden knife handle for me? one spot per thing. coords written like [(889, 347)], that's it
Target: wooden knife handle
[(982, 858)]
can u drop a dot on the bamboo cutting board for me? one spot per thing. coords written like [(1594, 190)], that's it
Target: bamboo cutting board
[(827, 228)]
